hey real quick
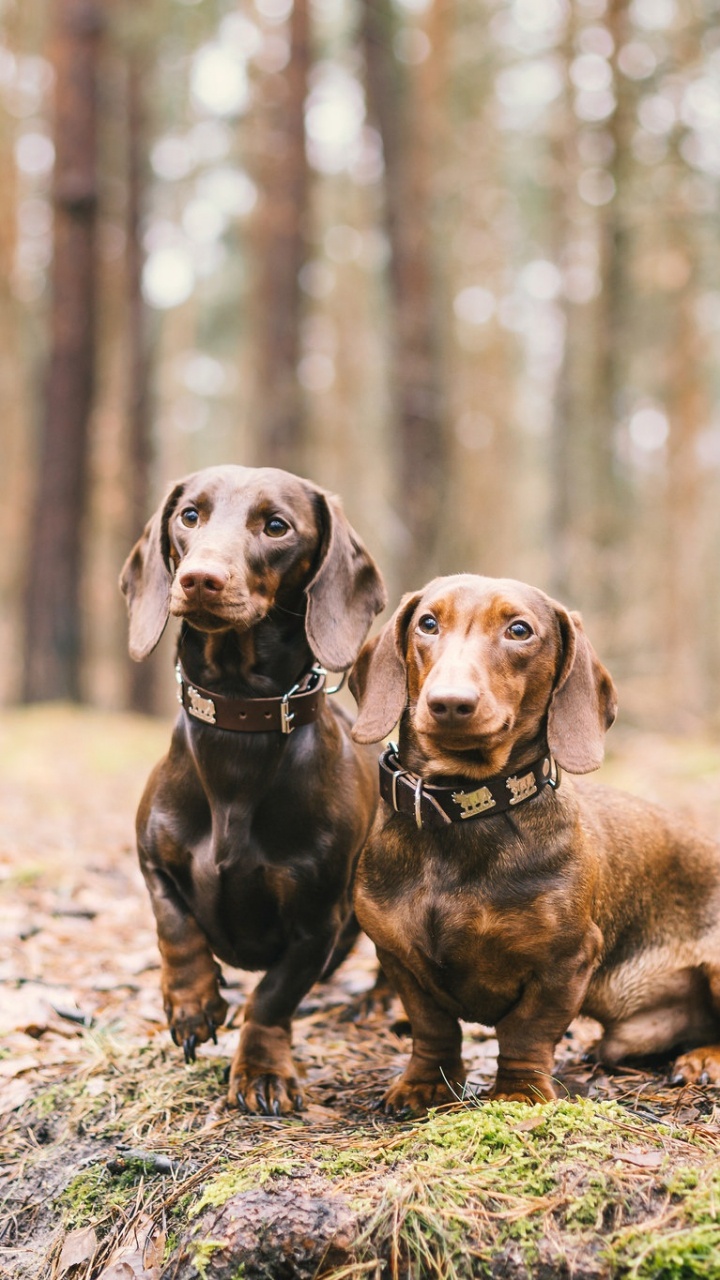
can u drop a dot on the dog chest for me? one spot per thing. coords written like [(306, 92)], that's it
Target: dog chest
[(240, 912), (473, 954)]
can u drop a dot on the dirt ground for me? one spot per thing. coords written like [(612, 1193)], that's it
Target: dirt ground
[(92, 1088)]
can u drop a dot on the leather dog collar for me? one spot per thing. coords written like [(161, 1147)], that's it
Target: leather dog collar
[(437, 806), (295, 708)]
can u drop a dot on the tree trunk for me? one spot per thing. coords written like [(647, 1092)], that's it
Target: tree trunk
[(142, 676), (563, 464), (53, 628), (684, 577), (401, 113), (14, 397), (279, 418), (589, 508), (609, 491)]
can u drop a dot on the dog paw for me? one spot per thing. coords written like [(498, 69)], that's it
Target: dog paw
[(193, 1021), (263, 1080), (413, 1098), (700, 1066), (268, 1094), (508, 1089)]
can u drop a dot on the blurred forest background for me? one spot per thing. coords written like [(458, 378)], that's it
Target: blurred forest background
[(457, 260)]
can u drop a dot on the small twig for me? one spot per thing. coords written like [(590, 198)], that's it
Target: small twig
[(74, 913), (74, 1015), (153, 1160)]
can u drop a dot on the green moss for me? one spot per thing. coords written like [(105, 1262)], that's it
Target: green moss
[(234, 1180), (341, 1163), (701, 1193), (508, 1147), (687, 1243), (469, 1183), (202, 1252), (95, 1195), (172, 1242), (588, 1206), (686, 1253), (56, 1099), (22, 878)]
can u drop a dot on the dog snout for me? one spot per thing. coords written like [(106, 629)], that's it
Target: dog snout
[(204, 581), (452, 705)]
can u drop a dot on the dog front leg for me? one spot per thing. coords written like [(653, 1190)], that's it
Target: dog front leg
[(189, 973), (527, 1036), (263, 1077), (435, 1073)]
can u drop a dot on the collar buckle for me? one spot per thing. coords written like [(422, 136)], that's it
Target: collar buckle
[(418, 804), (396, 774), (286, 715)]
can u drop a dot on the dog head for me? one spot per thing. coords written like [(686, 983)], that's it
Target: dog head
[(481, 669), (229, 544)]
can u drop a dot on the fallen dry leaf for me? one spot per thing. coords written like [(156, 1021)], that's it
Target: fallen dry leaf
[(78, 1247), (139, 1256), (531, 1123), (641, 1159)]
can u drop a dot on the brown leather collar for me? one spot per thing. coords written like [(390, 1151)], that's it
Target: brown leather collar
[(436, 806), (297, 707)]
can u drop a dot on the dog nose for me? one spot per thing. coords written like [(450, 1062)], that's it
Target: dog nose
[(452, 706), (198, 582)]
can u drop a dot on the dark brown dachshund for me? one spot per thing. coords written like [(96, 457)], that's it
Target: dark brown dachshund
[(493, 893), (249, 828)]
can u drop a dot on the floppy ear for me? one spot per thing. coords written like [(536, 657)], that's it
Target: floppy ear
[(584, 703), (378, 680), (146, 580), (346, 592)]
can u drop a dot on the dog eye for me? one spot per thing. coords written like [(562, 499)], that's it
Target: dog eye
[(428, 625), (276, 527), (190, 517), (519, 631)]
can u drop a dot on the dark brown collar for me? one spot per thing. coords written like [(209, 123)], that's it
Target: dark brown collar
[(436, 806), (299, 706)]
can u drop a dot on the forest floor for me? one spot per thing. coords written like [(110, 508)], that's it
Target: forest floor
[(119, 1161)]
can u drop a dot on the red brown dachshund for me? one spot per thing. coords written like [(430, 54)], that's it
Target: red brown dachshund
[(249, 828), (497, 892)]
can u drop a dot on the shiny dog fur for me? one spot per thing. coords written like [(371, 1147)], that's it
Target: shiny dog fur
[(582, 899), (247, 840)]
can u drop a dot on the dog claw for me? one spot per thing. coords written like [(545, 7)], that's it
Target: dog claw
[(262, 1102), (703, 1078), (174, 1036), (298, 1102), (213, 1031), (276, 1108), (189, 1048), (677, 1079), (241, 1103)]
